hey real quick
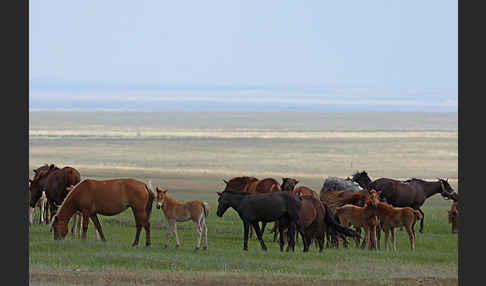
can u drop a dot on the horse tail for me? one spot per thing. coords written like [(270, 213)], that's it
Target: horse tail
[(417, 214), (331, 221), (205, 206), (148, 206)]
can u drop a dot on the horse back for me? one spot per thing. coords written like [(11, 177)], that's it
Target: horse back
[(267, 185)]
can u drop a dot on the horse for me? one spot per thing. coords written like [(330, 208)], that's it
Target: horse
[(54, 181), (105, 197), (362, 179), (37, 187), (391, 217), (315, 219), (303, 190), (288, 184), (359, 217), (453, 217), (338, 184), (253, 185), (334, 199), (410, 193), (175, 211), (283, 207)]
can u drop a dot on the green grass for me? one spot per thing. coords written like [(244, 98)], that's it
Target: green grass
[(435, 255)]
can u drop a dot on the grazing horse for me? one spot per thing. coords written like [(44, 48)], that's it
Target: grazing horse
[(283, 207), (253, 185), (453, 215), (410, 193), (315, 219), (391, 217), (175, 211), (106, 197)]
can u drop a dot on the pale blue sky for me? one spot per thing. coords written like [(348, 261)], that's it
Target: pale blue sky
[(385, 49)]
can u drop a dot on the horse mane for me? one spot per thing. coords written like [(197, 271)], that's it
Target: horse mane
[(234, 192)]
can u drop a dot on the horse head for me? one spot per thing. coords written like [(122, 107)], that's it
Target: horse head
[(362, 179), (288, 184), (161, 197), (446, 189), (60, 228), (373, 198)]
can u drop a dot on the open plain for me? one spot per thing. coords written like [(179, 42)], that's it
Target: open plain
[(190, 153)]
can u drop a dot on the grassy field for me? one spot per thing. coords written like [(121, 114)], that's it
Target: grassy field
[(190, 154)]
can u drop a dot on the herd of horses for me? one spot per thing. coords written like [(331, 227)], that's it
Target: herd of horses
[(340, 211)]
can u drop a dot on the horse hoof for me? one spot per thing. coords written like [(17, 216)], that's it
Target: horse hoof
[(205, 248), (166, 246), (196, 249), (177, 246), (245, 249)]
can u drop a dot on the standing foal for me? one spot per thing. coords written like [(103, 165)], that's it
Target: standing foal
[(175, 211)]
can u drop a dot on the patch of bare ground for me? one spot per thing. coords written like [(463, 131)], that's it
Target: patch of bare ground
[(39, 276)]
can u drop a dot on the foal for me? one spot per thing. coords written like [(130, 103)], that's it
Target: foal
[(175, 211), (454, 217), (391, 217), (359, 217)]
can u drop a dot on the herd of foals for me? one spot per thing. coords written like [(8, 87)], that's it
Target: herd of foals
[(337, 215)]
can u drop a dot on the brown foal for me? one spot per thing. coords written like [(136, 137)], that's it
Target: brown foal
[(175, 211)]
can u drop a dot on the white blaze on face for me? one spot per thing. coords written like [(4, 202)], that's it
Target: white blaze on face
[(31, 215)]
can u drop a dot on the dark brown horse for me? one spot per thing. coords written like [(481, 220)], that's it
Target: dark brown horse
[(410, 193), (288, 184), (106, 197), (315, 219), (252, 185), (37, 186), (283, 207)]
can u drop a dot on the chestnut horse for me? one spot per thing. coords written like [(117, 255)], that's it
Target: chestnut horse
[(453, 215), (105, 197), (391, 217), (315, 219), (359, 217), (303, 190), (175, 211)]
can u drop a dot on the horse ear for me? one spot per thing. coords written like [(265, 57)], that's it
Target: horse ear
[(35, 171), (296, 182), (165, 191), (30, 181), (219, 194), (157, 189), (226, 182)]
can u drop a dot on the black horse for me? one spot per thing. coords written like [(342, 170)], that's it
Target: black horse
[(283, 207), (410, 193), (362, 179)]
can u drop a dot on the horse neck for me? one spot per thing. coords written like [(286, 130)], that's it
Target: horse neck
[(431, 188), (66, 210), (235, 201), (170, 202)]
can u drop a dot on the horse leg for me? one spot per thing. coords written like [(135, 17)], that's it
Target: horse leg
[(410, 236), (275, 226), (281, 232), (167, 234), (264, 224), (97, 224), (246, 228), (421, 230), (176, 235), (259, 235), (205, 232), (73, 227), (199, 233), (393, 239), (386, 230), (138, 225), (85, 225)]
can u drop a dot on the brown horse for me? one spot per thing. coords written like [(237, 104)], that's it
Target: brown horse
[(106, 197), (334, 199), (175, 211), (391, 217), (37, 187), (303, 190), (360, 217), (54, 182), (453, 215), (315, 219)]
